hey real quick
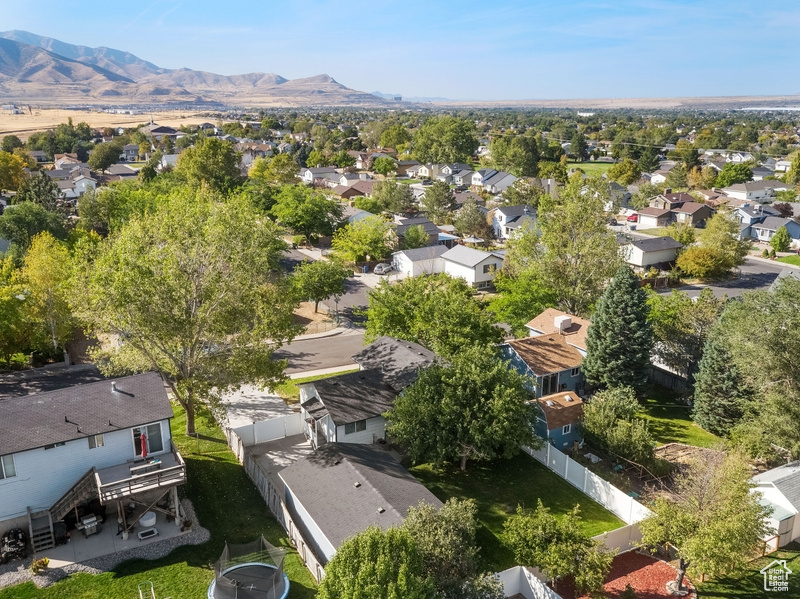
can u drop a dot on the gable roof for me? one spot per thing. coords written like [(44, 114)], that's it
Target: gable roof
[(467, 256), (691, 207), (656, 244), (426, 253), (773, 223), (546, 354), (405, 223), (657, 212), (575, 334), (566, 408), (400, 361), (343, 486), (786, 479), (355, 396), (41, 380), (516, 211), (364, 187), (79, 411)]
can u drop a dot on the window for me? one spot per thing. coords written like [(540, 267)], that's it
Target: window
[(549, 384), (487, 268), (96, 441), (54, 445), (153, 438), (576, 371), (355, 427), (567, 429), (7, 468)]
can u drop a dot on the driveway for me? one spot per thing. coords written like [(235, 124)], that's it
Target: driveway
[(755, 274)]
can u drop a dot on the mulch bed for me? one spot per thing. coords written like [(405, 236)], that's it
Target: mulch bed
[(646, 575)]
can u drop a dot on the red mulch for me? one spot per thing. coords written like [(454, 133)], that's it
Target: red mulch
[(648, 577)]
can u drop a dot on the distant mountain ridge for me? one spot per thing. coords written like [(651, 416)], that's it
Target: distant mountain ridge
[(39, 68)]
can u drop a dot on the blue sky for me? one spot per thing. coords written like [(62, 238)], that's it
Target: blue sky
[(473, 49)]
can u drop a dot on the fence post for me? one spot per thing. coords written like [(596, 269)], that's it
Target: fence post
[(548, 454), (585, 479), (566, 466)]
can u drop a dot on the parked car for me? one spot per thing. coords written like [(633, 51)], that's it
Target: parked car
[(427, 182), (612, 221), (633, 218), (383, 268)]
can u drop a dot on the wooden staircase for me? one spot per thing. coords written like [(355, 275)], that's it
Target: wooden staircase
[(85, 488), (40, 526)]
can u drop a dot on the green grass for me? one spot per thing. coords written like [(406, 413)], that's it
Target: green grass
[(655, 231), (227, 504), (290, 390), (591, 168), (499, 487), (750, 585), (789, 260), (670, 421)]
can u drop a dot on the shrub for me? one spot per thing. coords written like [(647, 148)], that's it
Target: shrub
[(765, 254)]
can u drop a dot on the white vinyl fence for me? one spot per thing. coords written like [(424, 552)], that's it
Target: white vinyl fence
[(520, 580)]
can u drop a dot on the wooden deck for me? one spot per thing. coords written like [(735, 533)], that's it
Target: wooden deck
[(133, 477)]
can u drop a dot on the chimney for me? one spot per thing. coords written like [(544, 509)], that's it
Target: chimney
[(667, 190)]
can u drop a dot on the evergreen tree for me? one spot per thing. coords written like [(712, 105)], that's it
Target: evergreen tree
[(648, 161), (39, 189), (578, 147), (620, 338), (719, 392)]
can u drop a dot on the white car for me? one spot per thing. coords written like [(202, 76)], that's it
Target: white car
[(383, 268)]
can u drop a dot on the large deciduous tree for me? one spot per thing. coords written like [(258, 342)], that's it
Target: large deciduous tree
[(719, 250), (519, 298), (307, 212), (365, 237), (474, 408), (39, 189), (437, 311), (625, 172), (282, 169), (620, 338), (320, 280), (394, 197), (21, 223), (213, 163), (733, 173), (438, 203), (445, 139), (12, 172), (609, 422), (415, 237), (104, 155), (194, 293), (470, 220)]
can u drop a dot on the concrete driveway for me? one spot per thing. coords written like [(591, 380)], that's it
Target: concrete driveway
[(754, 274)]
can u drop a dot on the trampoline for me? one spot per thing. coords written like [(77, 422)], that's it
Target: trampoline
[(250, 571)]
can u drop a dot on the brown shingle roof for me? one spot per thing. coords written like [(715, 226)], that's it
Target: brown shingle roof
[(650, 211), (691, 207), (563, 411), (547, 354), (575, 333)]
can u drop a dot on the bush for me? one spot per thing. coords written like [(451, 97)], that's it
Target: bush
[(298, 240), (765, 254), (704, 262), (772, 253), (39, 564)]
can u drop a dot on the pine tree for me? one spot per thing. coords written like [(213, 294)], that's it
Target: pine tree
[(620, 338), (719, 393)]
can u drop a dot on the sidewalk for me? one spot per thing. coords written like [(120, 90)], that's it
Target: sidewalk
[(773, 262), (322, 371)]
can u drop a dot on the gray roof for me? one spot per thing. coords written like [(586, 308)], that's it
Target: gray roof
[(32, 421), (426, 253), (516, 211), (356, 396), (786, 479), (656, 244), (786, 273), (404, 224), (773, 223), (400, 361), (759, 210), (461, 254), (40, 380), (343, 487)]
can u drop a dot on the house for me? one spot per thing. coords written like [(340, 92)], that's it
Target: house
[(653, 252), (122, 171), (463, 178), (765, 230), (692, 213), (760, 172), (781, 166), (658, 177), (780, 490), (554, 364), (403, 166), (66, 442), (38, 155), (399, 360), (499, 182), (559, 419), (346, 192), (352, 214), (669, 200), (476, 267), (650, 218), (83, 184), (507, 220), (403, 224), (349, 179), (340, 490), (130, 153), (412, 263), (363, 187), (556, 322), (456, 167), (66, 189), (62, 160), (308, 175), (756, 190), (481, 175)]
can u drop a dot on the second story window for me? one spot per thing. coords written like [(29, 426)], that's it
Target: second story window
[(7, 467)]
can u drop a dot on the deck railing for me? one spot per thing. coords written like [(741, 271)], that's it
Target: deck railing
[(138, 483)]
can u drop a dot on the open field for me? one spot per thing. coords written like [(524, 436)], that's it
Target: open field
[(22, 125)]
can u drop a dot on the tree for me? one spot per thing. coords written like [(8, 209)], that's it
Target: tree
[(306, 212), (720, 397), (144, 149), (609, 422), (553, 170), (12, 172), (648, 160), (394, 197), (104, 155), (519, 298), (11, 143), (415, 237), (316, 159), (45, 276), (438, 203), (683, 233), (781, 241), (39, 189), (704, 178), (319, 280), (371, 133), (558, 547), (681, 327), (792, 176), (784, 209), (368, 204), (194, 293), (620, 338), (342, 159), (472, 221), (377, 565), (474, 408), (677, 177), (703, 263), (282, 169), (578, 147), (687, 154), (625, 172), (21, 223), (711, 518), (383, 165), (212, 162), (445, 139), (519, 155), (641, 198), (437, 311), (733, 173), (365, 237), (524, 191), (722, 235), (396, 135), (13, 325)]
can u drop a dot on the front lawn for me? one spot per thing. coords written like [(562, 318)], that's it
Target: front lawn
[(670, 421), (795, 260), (226, 503), (499, 487), (591, 168), (750, 585)]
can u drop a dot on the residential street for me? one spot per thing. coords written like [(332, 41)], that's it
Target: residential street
[(325, 352), (755, 274)]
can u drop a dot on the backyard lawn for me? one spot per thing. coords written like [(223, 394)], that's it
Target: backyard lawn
[(226, 503), (499, 487), (591, 168), (670, 421), (750, 585)]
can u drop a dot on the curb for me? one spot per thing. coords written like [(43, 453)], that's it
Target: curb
[(773, 262), (344, 326)]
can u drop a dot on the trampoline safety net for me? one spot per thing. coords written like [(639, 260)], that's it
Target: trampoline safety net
[(250, 571)]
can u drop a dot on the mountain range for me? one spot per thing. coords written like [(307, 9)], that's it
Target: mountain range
[(39, 69)]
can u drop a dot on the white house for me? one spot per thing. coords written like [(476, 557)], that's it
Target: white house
[(84, 184), (652, 252), (107, 440), (755, 190), (507, 220), (425, 260), (780, 490), (476, 267), (308, 175)]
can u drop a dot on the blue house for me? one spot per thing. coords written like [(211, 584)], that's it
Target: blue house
[(559, 419), (550, 360)]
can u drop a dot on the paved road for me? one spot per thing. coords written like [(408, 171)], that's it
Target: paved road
[(326, 352), (755, 274)]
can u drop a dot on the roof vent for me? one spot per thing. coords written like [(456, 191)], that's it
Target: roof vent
[(381, 510), (356, 484), (114, 386), (568, 398), (549, 402)]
